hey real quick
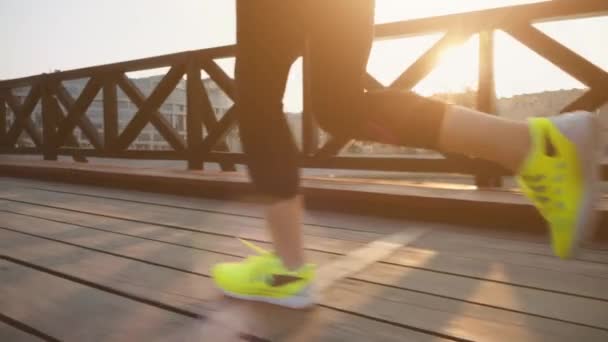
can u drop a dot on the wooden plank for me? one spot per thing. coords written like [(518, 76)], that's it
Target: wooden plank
[(381, 226), (190, 292), (588, 279), (208, 237), (324, 159), (353, 226), (321, 219), (40, 300), (446, 241), (169, 216), (197, 294), (501, 209), (12, 334), (148, 109), (177, 255), (426, 312), (558, 307), (324, 238)]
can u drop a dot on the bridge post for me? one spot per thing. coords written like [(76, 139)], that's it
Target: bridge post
[(49, 120), (194, 115), (310, 130), (110, 114), (3, 118), (486, 94)]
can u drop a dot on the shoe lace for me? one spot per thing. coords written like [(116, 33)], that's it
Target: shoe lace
[(547, 192), (262, 258), (259, 250)]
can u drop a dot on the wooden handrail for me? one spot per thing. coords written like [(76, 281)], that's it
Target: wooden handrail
[(58, 129)]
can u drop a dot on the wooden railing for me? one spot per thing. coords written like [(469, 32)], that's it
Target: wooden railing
[(57, 138)]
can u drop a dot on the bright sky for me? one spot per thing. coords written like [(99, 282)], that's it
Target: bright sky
[(40, 36)]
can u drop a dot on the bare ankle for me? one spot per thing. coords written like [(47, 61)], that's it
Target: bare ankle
[(521, 147), (284, 223), (469, 132)]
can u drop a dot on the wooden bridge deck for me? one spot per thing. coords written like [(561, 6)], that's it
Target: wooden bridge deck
[(84, 263)]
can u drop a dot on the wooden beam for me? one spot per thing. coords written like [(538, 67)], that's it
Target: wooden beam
[(110, 114), (561, 56), (211, 123), (85, 124), (486, 96), (406, 164), (127, 66), (52, 302), (76, 111), (149, 110), (371, 83), (194, 116), (220, 131), (310, 129), (220, 78), (71, 141), (495, 18), (49, 123), (332, 147), (3, 119), (22, 117), (590, 101)]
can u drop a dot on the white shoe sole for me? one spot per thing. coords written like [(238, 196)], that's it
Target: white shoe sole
[(582, 129), (302, 300)]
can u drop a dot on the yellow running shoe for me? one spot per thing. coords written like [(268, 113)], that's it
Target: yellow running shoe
[(263, 278), (561, 175)]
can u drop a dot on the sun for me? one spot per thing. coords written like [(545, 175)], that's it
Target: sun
[(456, 70)]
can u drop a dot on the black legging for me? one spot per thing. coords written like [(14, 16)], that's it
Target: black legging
[(271, 34)]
